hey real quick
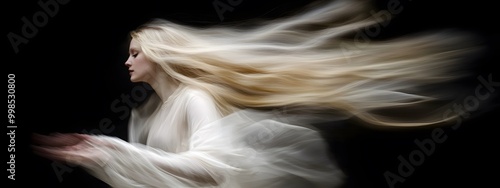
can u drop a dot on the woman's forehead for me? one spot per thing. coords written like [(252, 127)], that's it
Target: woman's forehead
[(134, 44)]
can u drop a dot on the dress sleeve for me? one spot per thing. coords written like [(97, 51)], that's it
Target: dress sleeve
[(135, 165)]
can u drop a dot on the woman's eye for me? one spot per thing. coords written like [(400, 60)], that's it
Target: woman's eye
[(135, 55)]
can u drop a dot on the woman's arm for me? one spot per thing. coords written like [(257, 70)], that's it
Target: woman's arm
[(201, 164), (122, 164)]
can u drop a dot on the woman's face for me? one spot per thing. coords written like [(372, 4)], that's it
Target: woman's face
[(140, 68)]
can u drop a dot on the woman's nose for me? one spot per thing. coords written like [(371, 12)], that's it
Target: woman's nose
[(127, 63)]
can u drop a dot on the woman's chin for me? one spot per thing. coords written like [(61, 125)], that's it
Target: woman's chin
[(134, 80)]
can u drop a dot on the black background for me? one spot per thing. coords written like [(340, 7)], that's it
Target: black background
[(71, 71)]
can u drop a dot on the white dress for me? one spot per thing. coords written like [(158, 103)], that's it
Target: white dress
[(184, 142)]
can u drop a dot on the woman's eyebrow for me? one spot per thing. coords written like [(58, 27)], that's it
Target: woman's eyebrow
[(132, 50)]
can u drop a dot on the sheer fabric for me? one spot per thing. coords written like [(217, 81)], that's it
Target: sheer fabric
[(184, 142)]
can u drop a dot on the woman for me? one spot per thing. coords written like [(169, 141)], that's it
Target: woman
[(234, 108)]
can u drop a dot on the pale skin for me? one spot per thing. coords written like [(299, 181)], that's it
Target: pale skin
[(76, 148)]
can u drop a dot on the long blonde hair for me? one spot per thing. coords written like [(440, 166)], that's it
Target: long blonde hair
[(301, 61)]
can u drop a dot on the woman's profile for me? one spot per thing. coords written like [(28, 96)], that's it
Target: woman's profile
[(234, 107)]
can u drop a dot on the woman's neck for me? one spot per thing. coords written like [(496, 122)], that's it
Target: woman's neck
[(164, 86)]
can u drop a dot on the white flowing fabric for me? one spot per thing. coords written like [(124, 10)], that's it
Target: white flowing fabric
[(184, 142)]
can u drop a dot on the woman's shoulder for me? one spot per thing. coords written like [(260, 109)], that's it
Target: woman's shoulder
[(195, 92)]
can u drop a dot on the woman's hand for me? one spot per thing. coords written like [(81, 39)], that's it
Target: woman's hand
[(79, 149)]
